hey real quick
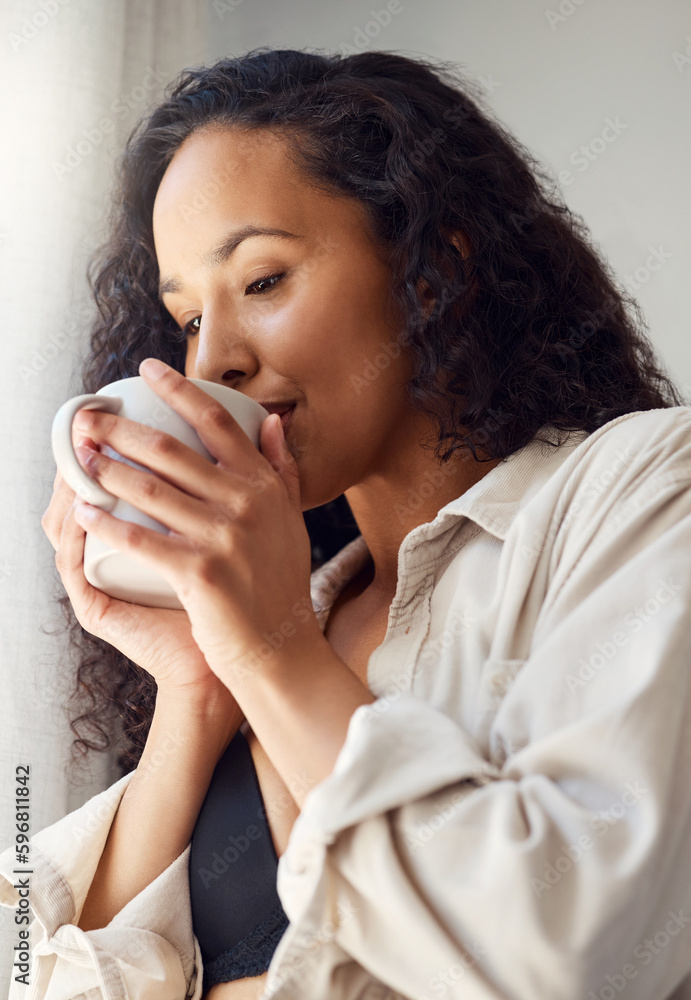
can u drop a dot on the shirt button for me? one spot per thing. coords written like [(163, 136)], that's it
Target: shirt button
[(499, 683)]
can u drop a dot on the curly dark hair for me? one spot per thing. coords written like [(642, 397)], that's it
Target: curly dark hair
[(529, 328)]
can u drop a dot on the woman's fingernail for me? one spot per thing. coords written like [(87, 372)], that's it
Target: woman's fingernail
[(84, 419), (89, 458), (152, 368), (85, 512)]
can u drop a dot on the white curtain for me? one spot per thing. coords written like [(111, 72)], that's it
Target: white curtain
[(75, 77)]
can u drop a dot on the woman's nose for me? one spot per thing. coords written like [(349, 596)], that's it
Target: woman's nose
[(216, 356), (213, 373)]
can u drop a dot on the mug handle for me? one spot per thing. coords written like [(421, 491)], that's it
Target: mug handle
[(63, 452)]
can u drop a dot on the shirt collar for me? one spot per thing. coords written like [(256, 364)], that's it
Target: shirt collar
[(493, 502)]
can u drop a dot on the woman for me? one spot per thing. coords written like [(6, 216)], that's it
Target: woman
[(468, 726)]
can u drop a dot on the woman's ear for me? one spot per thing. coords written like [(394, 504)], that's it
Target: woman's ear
[(462, 244)]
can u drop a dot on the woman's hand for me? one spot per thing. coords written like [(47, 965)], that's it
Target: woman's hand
[(157, 639), (238, 554)]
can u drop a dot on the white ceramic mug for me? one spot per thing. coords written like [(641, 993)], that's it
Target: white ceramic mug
[(106, 567)]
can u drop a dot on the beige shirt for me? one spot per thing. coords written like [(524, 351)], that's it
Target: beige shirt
[(512, 816)]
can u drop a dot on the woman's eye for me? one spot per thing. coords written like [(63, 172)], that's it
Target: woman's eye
[(188, 330), (275, 278)]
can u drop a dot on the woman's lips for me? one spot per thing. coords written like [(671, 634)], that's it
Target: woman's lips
[(286, 419)]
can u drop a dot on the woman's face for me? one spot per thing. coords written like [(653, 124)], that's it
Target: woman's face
[(310, 331)]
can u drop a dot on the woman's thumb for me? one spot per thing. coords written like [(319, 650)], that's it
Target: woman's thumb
[(275, 450)]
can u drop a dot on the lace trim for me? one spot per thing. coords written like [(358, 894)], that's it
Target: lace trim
[(252, 955)]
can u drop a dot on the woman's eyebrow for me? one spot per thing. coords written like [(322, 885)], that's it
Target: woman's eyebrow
[(224, 250)]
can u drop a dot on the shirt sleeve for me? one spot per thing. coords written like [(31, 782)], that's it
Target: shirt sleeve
[(147, 951), (566, 867)]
